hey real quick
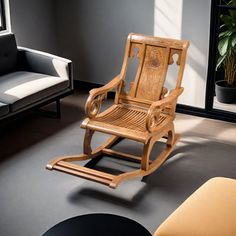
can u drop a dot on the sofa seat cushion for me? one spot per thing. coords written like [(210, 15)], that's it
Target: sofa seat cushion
[(210, 211), (22, 88), (4, 109)]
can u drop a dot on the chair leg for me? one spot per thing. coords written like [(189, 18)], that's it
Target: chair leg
[(146, 155), (87, 141), (171, 139), (171, 136)]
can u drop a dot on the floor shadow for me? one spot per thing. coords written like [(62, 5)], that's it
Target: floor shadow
[(33, 128), (118, 198), (191, 164)]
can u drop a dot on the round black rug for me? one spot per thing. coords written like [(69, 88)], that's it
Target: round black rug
[(99, 225)]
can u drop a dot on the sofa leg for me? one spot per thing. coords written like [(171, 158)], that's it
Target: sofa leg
[(52, 114)]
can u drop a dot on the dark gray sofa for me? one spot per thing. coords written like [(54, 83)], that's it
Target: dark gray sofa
[(30, 78)]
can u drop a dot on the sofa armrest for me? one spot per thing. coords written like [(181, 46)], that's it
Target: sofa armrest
[(45, 63)]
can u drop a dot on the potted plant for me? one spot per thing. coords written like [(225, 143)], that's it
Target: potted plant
[(226, 89)]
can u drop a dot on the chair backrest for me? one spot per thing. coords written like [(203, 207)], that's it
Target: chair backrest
[(154, 55)]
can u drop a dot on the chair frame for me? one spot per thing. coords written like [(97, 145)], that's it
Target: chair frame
[(154, 131)]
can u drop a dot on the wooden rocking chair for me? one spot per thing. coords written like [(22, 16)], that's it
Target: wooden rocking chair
[(144, 114)]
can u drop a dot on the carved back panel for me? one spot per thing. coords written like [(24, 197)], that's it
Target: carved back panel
[(154, 56)]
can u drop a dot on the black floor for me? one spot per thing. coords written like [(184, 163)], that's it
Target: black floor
[(33, 199)]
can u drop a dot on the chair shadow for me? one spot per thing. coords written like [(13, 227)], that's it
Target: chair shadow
[(188, 167), (102, 195), (119, 196)]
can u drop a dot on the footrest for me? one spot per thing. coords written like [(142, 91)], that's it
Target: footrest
[(84, 172)]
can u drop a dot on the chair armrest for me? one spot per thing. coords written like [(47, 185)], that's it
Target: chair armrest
[(157, 107), (45, 63), (96, 96), (168, 100)]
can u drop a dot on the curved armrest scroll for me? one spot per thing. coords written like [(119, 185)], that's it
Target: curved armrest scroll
[(157, 107), (97, 95)]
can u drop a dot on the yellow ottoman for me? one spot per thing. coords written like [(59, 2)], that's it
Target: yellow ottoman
[(210, 211)]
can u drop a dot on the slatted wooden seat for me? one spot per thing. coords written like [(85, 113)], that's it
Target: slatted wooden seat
[(144, 113), (125, 121), (124, 116)]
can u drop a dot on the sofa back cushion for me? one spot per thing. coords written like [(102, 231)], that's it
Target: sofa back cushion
[(8, 53)]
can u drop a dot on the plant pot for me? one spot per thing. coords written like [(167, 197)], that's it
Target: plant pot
[(224, 93)]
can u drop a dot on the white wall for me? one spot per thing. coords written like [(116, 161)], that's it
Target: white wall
[(34, 24), (188, 19), (7, 18)]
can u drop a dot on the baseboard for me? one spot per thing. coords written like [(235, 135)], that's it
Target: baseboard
[(213, 114), (87, 85), (185, 109)]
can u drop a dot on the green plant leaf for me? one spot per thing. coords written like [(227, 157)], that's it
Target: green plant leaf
[(223, 46), (229, 22), (232, 3), (232, 13), (220, 61), (225, 33), (226, 19), (221, 26), (227, 37), (233, 40)]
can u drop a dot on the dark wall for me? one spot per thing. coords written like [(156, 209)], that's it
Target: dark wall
[(93, 33), (34, 23), (89, 32)]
